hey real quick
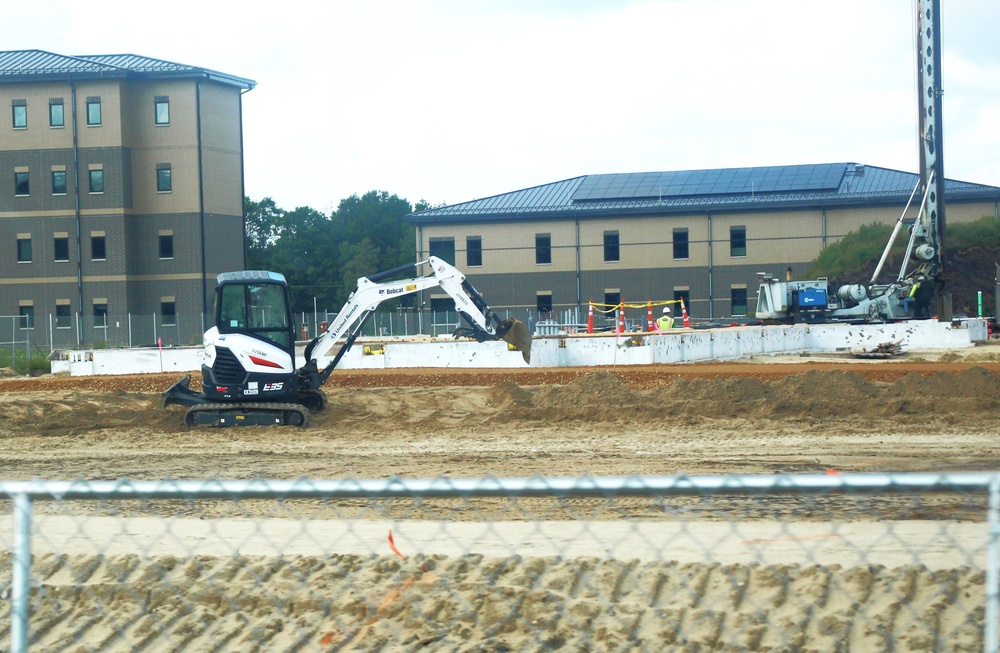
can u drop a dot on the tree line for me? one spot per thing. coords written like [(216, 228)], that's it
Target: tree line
[(322, 256)]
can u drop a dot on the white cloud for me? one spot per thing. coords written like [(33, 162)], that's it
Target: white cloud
[(449, 100)]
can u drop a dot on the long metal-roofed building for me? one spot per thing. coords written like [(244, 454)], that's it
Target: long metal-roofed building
[(700, 235), (121, 196)]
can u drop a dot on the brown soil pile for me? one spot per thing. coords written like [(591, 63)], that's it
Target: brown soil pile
[(972, 394), (815, 394)]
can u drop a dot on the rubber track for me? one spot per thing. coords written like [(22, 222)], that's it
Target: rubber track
[(249, 407)]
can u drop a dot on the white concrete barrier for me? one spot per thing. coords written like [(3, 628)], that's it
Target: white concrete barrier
[(677, 346)]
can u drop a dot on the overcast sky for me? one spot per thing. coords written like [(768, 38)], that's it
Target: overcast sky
[(452, 100)]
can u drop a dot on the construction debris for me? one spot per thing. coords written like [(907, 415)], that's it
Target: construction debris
[(884, 350)]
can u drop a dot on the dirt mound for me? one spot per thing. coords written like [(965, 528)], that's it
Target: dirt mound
[(813, 394), (598, 396), (66, 412), (975, 382), (506, 395)]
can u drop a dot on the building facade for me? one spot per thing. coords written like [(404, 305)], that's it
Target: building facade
[(700, 235), (121, 196)]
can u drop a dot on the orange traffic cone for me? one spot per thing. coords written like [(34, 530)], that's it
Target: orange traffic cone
[(621, 318), (649, 316), (590, 318), (684, 314)]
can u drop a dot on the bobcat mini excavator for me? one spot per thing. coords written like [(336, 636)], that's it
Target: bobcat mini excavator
[(248, 368)]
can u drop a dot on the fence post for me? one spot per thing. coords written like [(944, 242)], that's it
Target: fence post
[(21, 574), (990, 637)]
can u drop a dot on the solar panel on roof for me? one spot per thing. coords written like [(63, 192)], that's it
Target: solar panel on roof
[(685, 183)]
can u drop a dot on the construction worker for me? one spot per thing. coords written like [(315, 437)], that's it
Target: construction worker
[(666, 320)]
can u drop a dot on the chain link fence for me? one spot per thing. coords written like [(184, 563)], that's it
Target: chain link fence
[(48, 331), (854, 562)]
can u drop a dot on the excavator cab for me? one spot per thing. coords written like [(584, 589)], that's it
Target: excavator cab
[(249, 357), (256, 304)]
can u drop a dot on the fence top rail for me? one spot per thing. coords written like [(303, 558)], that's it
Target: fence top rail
[(959, 482)]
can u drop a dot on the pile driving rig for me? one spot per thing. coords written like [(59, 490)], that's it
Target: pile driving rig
[(909, 295)]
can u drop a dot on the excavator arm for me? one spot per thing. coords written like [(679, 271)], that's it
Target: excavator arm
[(482, 323)]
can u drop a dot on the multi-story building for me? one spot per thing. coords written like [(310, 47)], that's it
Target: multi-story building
[(121, 196), (700, 235)]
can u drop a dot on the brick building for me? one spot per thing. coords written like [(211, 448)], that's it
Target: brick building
[(121, 196), (700, 235)]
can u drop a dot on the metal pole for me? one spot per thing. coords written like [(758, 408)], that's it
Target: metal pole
[(990, 637), (21, 577)]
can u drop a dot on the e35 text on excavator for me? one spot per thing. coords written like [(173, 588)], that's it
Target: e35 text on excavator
[(248, 368)]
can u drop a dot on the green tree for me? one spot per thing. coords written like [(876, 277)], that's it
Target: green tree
[(263, 227), (323, 256), (307, 253), (378, 217)]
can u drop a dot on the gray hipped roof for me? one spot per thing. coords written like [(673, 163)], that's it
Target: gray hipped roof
[(18, 66), (767, 188)]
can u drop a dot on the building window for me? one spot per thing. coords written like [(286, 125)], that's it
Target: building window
[(681, 244), (27, 314), (63, 318), (163, 182), (543, 249), (98, 249), (100, 315), (60, 247), (737, 241), (474, 251), (543, 304), (738, 297), (93, 112), (22, 187), (96, 181), (166, 246), (58, 182), (57, 117), (168, 313), (612, 298), (161, 110), (443, 248), (23, 249), (612, 253), (20, 114)]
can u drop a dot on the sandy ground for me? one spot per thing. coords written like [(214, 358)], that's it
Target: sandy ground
[(925, 411)]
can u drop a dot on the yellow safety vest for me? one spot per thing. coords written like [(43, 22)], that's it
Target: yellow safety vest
[(665, 322)]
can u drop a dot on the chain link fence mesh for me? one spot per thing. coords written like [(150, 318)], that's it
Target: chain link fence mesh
[(854, 562)]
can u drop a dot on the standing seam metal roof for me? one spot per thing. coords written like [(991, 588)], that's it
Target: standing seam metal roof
[(733, 189), (31, 65)]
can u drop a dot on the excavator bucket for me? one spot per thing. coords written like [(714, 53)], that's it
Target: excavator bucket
[(515, 333)]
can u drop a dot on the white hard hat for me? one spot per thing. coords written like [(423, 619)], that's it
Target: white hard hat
[(666, 309)]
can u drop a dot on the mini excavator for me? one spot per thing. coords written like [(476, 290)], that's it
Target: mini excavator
[(248, 367)]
